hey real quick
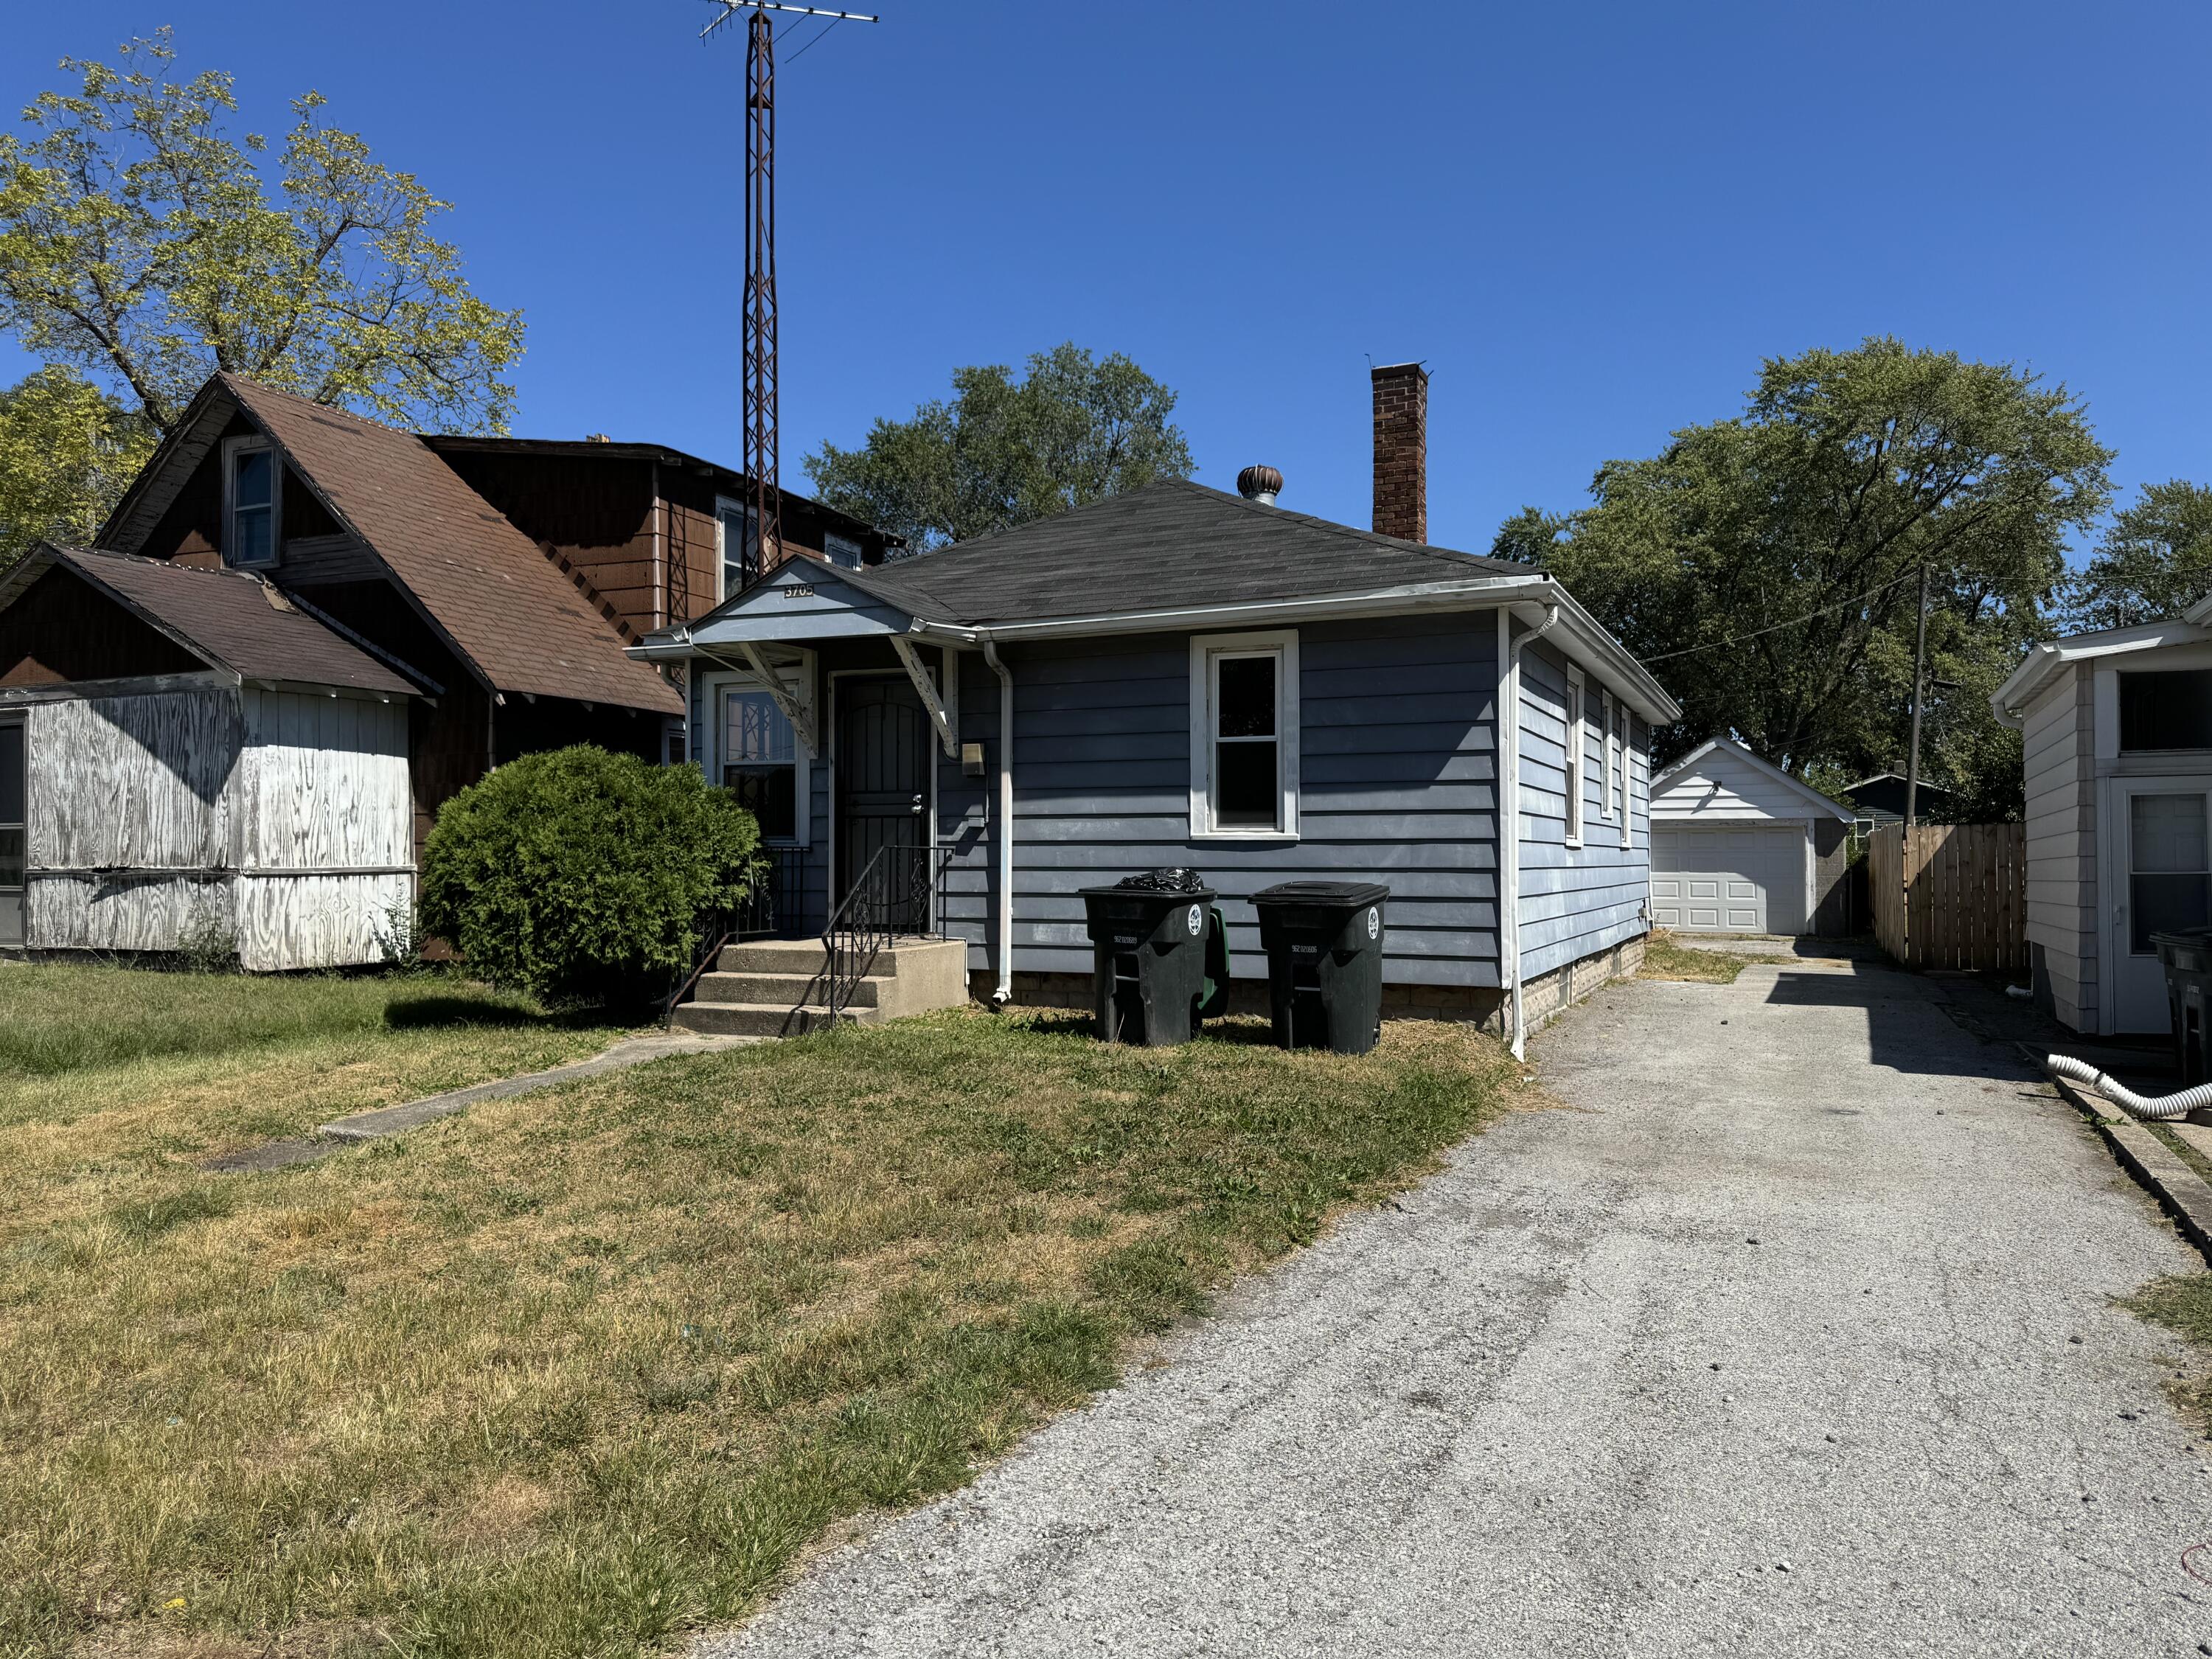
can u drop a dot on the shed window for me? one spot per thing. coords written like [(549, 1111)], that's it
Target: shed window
[(841, 551), (251, 487), (738, 528), (2169, 866), (2168, 709), (760, 762), (1574, 758), (1244, 734)]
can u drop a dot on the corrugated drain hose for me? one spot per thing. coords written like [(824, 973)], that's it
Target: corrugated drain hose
[(2161, 1109)]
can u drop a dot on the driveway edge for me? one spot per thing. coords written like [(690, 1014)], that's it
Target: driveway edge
[(2181, 1191)]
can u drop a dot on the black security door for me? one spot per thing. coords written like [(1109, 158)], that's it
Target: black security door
[(882, 792), (12, 811)]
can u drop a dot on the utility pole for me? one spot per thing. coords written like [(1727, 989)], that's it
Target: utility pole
[(1919, 679), (762, 443)]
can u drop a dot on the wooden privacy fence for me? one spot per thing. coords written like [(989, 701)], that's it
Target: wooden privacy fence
[(1950, 895)]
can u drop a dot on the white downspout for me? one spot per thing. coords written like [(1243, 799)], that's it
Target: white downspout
[(1509, 816), (1005, 839)]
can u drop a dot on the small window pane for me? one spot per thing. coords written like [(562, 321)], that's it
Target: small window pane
[(255, 469), (1246, 700), (756, 730), (771, 794), (2169, 850), (740, 548), (11, 774), (1244, 786), (11, 858), (2170, 709), (841, 551), (250, 542)]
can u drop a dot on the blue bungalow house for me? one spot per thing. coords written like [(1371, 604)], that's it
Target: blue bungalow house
[(1179, 677)]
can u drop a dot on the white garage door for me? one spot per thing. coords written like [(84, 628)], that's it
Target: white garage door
[(1728, 878)]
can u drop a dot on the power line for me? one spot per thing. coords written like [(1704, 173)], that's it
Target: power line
[(1825, 610)]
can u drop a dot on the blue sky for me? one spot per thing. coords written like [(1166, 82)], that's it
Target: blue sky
[(1590, 221)]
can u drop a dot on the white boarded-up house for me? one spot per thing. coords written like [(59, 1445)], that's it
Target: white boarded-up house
[(1738, 846), (2116, 733), (187, 755)]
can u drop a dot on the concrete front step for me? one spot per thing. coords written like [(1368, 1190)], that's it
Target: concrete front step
[(763, 1019), (775, 987), (790, 990)]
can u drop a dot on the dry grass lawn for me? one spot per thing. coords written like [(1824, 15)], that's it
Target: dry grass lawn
[(584, 1370), (1663, 958)]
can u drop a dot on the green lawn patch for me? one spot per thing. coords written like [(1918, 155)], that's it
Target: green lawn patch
[(584, 1371), (2183, 1304)]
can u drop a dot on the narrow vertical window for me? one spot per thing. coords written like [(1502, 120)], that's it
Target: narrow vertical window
[(250, 490), (1627, 773), (738, 528), (760, 762), (1244, 734), (1574, 758)]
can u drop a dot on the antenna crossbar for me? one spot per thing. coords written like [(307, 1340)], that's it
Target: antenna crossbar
[(732, 8)]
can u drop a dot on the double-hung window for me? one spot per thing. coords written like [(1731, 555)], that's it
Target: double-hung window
[(1244, 734), (760, 761), (251, 484), (1574, 756)]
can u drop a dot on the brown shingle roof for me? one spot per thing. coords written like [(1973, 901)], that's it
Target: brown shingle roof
[(232, 620), (486, 584)]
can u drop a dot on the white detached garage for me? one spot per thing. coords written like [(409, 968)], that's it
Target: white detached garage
[(1738, 846)]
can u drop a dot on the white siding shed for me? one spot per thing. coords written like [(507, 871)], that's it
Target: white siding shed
[(1738, 846)]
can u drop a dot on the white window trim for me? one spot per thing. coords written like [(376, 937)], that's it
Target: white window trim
[(1613, 753), (1573, 710), (798, 679), (860, 553), (1627, 719), (250, 443), (1204, 649)]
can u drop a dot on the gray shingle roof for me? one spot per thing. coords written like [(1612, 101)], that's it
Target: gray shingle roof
[(1169, 545), (235, 621)]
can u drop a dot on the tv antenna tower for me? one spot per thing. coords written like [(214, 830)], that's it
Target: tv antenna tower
[(764, 501)]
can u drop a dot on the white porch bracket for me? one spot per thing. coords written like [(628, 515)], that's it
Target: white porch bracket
[(926, 689), (793, 709)]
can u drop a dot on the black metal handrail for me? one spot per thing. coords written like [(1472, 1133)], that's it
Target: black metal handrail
[(774, 907), (722, 927), (897, 895)]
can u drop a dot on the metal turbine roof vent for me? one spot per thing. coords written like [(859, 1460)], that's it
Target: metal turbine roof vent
[(1259, 483)]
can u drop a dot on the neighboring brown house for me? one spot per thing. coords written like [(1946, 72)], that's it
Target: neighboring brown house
[(503, 577)]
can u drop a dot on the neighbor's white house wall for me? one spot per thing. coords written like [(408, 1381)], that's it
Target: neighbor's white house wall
[(1576, 902), (2058, 739)]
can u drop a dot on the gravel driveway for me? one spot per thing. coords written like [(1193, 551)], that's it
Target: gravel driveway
[(1793, 1338)]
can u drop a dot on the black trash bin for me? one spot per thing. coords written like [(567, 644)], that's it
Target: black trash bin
[(1324, 944), (1148, 938), (2187, 956)]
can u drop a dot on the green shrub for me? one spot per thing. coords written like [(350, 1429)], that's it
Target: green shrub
[(583, 874)]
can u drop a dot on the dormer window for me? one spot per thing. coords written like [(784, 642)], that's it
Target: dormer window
[(251, 481)]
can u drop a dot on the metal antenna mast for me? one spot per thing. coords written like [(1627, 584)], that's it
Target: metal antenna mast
[(762, 462)]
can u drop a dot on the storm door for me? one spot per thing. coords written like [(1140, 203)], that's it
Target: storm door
[(14, 836), (882, 763), (2164, 829)]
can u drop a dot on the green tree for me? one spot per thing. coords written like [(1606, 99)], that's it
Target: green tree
[(66, 451), (143, 247), (1767, 568), (1003, 451), (2154, 562)]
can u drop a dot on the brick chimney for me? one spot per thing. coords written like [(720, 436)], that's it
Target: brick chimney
[(1401, 451)]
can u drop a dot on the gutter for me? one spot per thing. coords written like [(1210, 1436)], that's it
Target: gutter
[(1005, 839), (1509, 821)]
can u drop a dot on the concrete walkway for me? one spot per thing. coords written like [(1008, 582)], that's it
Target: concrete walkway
[(1795, 1338)]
